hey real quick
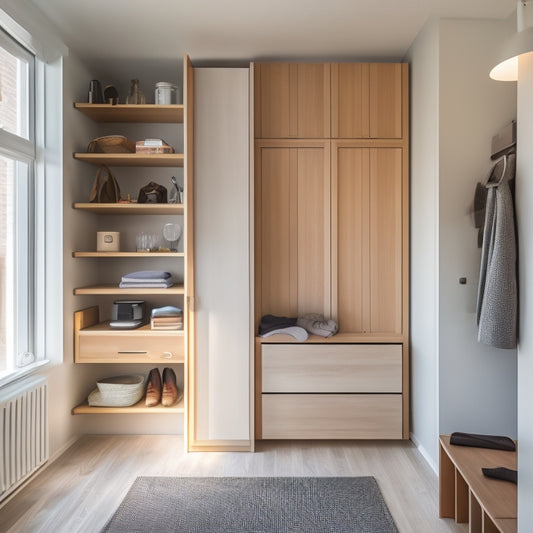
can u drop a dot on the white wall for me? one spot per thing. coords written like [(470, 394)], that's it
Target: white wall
[(524, 197), (457, 383), (424, 211), (477, 383)]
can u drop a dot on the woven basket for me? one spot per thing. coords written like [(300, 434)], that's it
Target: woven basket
[(111, 144), (119, 391)]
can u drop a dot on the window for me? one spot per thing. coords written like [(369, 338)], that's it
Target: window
[(17, 206)]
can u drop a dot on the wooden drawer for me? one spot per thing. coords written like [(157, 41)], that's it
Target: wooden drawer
[(129, 347), (332, 416), (332, 368)]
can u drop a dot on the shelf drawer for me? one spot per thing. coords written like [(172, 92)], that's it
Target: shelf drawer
[(332, 368), (108, 348), (332, 416)]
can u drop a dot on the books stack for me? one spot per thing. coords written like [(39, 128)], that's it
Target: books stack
[(146, 279), (168, 317)]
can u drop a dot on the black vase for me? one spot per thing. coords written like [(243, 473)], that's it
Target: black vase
[(95, 93)]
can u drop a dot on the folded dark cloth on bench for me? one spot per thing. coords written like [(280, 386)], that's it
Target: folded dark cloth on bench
[(501, 472), (494, 442)]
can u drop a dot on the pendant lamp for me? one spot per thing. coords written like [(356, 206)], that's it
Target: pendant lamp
[(520, 43)]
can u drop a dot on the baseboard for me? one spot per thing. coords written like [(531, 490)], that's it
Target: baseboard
[(425, 454)]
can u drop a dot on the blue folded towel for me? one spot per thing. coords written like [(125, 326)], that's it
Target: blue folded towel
[(146, 275), (167, 310)]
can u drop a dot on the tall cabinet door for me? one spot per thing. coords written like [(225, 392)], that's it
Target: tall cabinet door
[(220, 404), (292, 213), (367, 239), (292, 100)]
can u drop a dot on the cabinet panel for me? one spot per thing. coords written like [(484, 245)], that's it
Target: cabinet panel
[(351, 291), (386, 100), (294, 227), (367, 250), (332, 416), (292, 100), (350, 115), (386, 240), (332, 368)]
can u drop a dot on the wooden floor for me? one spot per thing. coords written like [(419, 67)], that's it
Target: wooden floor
[(82, 489)]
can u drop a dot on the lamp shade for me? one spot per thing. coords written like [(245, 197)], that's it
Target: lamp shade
[(507, 68)]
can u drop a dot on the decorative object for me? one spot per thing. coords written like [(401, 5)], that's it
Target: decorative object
[(119, 391), (176, 192), (111, 144), (259, 504), (105, 187), (146, 242), (95, 93), (172, 233), (153, 193), (111, 95), (165, 93), (107, 241), (135, 94), (153, 146)]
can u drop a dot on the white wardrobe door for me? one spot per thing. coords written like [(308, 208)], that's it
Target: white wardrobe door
[(222, 260)]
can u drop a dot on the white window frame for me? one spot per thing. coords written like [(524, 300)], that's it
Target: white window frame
[(28, 255)]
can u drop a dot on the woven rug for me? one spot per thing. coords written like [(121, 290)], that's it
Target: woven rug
[(253, 505)]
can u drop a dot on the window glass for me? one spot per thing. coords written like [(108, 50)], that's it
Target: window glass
[(14, 94)]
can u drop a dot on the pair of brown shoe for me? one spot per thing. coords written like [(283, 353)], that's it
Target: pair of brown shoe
[(165, 391)]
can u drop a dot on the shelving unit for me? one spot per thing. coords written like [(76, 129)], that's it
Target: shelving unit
[(95, 341)]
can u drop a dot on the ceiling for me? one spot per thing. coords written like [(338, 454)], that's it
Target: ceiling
[(114, 36)]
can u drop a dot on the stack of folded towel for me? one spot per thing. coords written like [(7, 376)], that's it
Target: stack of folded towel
[(167, 317), (146, 279), (299, 328)]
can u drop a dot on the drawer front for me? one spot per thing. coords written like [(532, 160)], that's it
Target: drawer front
[(332, 416), (332, 368), (134, 349)]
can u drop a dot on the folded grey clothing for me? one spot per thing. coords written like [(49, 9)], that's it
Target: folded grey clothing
[(298, 333), (165, 284), (272, 322), (315, 324), (146, 275), (495, 442), (500, 472)]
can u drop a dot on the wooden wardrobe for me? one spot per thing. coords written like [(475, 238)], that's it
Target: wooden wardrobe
[(331, 237)]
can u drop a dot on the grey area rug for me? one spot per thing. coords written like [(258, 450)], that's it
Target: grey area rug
[(253, 505)]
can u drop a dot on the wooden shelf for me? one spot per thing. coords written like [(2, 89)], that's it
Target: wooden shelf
[(128, 254), (138, 408), (103, 328), (131, 159), (162, 114), (115, 290), (130, 209)]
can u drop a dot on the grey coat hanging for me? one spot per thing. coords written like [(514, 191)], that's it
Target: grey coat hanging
[(497, 292)]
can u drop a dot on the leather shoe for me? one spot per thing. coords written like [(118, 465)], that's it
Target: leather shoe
[(153, 388), (170, 389)]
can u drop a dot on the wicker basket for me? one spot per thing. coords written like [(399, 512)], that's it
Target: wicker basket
[(111, 144), (119, 391)]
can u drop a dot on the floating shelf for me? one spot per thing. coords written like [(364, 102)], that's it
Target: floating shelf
[(130, 209), (162, 114), (138, 408), (115, 290), (128, 254), (131, 159)]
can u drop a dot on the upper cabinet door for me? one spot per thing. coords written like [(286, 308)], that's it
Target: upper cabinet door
[(366, 100), (292, 100)]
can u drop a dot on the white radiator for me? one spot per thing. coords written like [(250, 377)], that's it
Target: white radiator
[(23, 431)]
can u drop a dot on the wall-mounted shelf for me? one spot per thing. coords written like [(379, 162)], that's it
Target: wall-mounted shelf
[(162, 114), (116, 291), (130, 209), (128, 254), (131, 160)]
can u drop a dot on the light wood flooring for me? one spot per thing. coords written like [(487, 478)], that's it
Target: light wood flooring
[(83, 487)]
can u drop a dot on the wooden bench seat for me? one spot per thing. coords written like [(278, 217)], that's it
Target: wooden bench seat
[(465, 494)]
